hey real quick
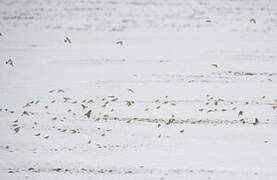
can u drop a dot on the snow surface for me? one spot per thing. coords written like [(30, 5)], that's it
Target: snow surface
[(178, 99)]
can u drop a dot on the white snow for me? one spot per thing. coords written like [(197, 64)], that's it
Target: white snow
[(166, 103)]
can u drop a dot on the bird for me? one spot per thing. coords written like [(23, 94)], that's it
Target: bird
[(66, 99), (27, 105), (131, 90), (119, 43), (115, 99), (25, 113), (60, 91), (215, 65), (256, 121), (240, 113), (90, 101), (10, 62), (84, 107), (67, 40), (170, 121), (252, 20), (88, 114), (17, 129)]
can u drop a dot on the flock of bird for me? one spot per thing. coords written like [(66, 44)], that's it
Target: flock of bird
[(88, 112), (98, 108)]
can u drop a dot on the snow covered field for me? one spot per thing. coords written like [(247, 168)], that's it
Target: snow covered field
[(138, 89)]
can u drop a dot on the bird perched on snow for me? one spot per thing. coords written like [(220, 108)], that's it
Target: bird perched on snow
[(10, 62)]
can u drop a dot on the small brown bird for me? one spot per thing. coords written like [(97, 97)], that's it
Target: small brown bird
[(88, 114)]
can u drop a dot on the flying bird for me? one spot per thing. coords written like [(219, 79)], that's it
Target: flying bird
[(131, 90), (17, 129), (215, 65), (66, 99), (241, 113), (88, 114), (10, 62), (84, 107), (67, 40), (253, 21), (119, 43), (25, 113)]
